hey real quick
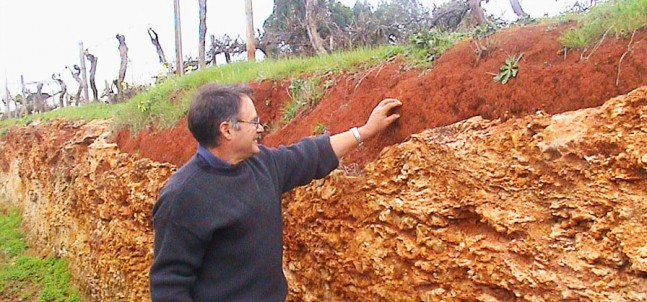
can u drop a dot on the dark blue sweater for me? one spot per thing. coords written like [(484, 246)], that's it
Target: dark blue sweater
[(218, 227)]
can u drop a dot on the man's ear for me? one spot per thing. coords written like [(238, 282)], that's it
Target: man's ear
[(225, 130)]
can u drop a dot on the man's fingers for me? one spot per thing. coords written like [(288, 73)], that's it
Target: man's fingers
[(390, 119), (387, 105), (386, 102)]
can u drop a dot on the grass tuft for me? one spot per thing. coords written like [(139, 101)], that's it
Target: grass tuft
[(86, 112), (427, 46), (616, 17)]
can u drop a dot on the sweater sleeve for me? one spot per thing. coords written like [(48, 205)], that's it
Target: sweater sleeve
[(178, 255), (298, 164), (182, 226)]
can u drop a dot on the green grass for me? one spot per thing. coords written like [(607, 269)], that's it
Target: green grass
[(561, 18), (25, 277), (86, 112), (168, 101), (165, 103), (615, 17), (11, 239)]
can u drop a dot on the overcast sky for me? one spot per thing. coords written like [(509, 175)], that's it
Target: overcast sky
[(41, 37)]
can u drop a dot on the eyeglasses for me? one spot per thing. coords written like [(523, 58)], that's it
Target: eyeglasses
[(256, 122)]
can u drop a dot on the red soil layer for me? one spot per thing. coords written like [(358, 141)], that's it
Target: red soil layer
[(458, 86)]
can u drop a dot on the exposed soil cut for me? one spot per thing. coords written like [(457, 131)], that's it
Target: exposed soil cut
[(457, 87)]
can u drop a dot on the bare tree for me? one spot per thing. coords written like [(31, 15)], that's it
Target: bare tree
[(155, 40), (202, 33), (311, 25), (123, 53), (93, 71), (61, 97), (76, 74)]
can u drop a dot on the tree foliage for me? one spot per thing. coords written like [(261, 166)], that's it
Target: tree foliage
[(339, 26), (306, 27)]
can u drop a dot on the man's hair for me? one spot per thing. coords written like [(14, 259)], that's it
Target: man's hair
[(213, 104)]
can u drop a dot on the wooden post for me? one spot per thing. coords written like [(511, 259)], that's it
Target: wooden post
[(179, 64), (251, 39), (84, 75), (202, 31)]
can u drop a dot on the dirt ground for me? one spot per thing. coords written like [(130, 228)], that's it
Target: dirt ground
[(458, 86)]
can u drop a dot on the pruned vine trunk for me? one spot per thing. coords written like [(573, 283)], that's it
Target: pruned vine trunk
[(76, 74), (61, 96), (212, 51), (123, 53), (155, 40), (7, 99), (93, 70), (38, 101), (25, 100), (518, 10)]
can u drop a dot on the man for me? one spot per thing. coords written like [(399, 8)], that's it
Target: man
[(218, 224)]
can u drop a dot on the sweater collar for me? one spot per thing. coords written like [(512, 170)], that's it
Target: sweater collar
[(211, 159)]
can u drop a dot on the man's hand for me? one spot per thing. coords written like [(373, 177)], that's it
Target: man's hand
[(378, 121), (380, 118)]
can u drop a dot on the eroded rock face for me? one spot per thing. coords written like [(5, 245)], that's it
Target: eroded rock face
[(537, 209), (84, 200), (542, 208)]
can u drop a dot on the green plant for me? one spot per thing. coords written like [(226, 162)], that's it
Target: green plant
[(144, 105), (329, 83), (487, 29), (509, 69), (426, 46), (318, 129), (303, 94), (290, 111)]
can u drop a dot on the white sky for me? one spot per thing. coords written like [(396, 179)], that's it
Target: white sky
[(41, 37)]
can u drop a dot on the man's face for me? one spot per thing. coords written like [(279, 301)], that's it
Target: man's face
[(245, 138)]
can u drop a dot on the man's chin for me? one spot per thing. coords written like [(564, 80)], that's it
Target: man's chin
[(256, 149)]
